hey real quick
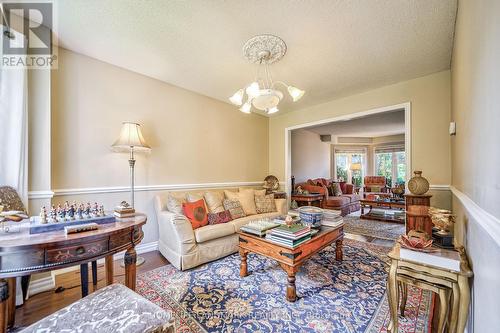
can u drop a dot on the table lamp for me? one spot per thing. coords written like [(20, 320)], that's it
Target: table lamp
[(355, 167), (131, 140)]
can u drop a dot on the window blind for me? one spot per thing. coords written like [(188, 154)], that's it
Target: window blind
[(389, 149)]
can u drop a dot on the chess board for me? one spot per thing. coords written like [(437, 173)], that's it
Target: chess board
[(37, 228)]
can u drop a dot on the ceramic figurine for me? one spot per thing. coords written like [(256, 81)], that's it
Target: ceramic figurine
[(288, 221), (60, 213), (43, 215), (79, 211), (87, 210)]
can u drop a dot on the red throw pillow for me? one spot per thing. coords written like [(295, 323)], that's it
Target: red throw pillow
[(196, 212)]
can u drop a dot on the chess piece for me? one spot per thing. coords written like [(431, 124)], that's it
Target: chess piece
[(101, 210), (71, 212), (95, 210), (53, 214), (79, 212), (61, 213), (43, 215), (88, 208)]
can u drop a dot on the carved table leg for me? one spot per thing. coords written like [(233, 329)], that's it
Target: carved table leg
[(338, 250), (463, 309), (291, 291), (243, 265), (4, 295), (130, 267), (11, 302), (393, 297), (455, 296), (109, 269)]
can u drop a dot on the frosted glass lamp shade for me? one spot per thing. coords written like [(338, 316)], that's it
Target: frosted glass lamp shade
[(237, 98), (272, 110), (245, 108), (130, 137), (253, 90), (295, 93)]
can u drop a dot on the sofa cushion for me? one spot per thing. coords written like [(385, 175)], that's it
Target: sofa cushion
[(214, 201), (352, 197), (337, 201), (234, 208), (196, 212), (265, 204), (215, 231), (238, 223), (220, 217), (246, 197)]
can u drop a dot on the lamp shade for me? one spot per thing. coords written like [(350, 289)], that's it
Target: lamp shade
[(356, 166), (130, 137)]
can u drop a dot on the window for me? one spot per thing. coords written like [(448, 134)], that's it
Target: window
[(350, 165), (391, 163)]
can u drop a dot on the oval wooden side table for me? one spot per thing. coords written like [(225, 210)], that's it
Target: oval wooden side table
[(23, 254)]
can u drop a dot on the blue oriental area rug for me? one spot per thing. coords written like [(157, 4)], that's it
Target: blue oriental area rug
[(345, 296)]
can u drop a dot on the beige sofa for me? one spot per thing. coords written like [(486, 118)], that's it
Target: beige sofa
[(186, 248)]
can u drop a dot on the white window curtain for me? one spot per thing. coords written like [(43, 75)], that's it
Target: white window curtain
[(14, 126)]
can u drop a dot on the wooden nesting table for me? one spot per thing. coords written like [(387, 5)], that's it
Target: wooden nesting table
[(290, 259), (23, 254)]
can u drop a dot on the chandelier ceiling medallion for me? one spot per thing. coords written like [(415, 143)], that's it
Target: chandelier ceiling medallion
[(264, 50)]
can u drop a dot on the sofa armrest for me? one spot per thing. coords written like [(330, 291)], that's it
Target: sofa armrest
[(349, 189), (176, 232), (281, 206)]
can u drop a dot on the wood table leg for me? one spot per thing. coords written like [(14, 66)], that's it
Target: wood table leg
[(4, 295), (243, 265), (130, 267), (109, 269), (404, 297), (291, 291), (455, 296), (463, 308), (339, 254), (11, 302), (94, 273), (393, 297), (84, 278)]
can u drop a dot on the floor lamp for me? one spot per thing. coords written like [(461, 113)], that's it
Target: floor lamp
[(131, 140)]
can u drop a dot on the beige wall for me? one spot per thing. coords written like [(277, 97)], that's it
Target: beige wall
[(476, 153), (194, 139), (430, 116), (310, 156)]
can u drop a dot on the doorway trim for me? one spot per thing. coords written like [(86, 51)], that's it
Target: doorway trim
[(288, 132)]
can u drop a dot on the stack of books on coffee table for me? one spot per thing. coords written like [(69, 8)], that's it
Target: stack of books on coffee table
[(332, 218), (291, 236), (258, 227)]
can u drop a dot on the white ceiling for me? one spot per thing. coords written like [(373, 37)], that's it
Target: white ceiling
[(387, 123), (335, 47)]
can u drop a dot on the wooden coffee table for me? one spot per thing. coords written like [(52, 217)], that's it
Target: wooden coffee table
[(290, 259)]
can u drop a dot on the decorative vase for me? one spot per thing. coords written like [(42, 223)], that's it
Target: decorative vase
[(418, 185)]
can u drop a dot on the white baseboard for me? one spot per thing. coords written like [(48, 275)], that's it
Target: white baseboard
[(41, 285)]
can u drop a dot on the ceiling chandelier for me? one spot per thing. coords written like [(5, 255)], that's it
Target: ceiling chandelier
[(262, 93)]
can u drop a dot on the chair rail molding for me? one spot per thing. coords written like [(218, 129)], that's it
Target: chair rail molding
[(488, 222), (140, 188)]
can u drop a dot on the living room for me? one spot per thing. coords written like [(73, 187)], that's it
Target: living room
[(180, 75)]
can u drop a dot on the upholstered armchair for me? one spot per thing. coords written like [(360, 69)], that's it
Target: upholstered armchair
[(375, 185)]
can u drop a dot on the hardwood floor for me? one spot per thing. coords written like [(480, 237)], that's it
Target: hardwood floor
[(43, 304)]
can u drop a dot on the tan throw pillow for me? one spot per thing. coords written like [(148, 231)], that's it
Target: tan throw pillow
[(193, 197), (247, 200), (265, 204), (174, 205), (214, 202), (234, 208), (336, 190), (260, 192), (231, 195)]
